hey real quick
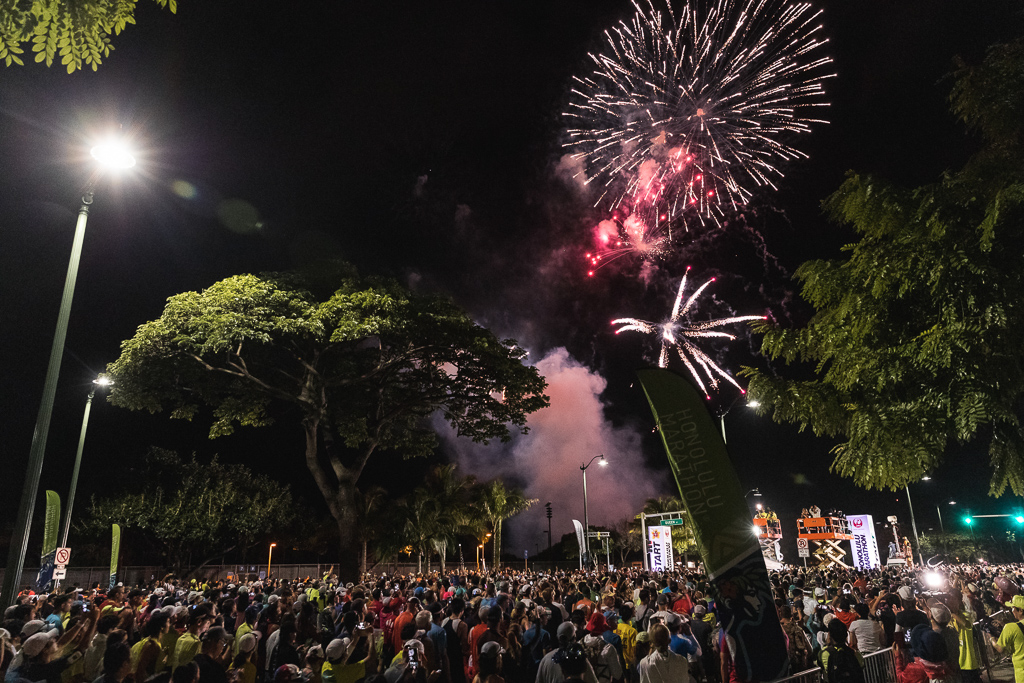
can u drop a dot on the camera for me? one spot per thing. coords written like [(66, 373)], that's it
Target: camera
[(989, 626), (413, 655)]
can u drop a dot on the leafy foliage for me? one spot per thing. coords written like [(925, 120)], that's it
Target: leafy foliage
[(500, 502), (363, 364), (76, 32), (193, 507), (917, 338)]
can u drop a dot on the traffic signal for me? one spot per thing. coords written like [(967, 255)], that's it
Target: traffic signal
[(1019, 519), (968, 520)]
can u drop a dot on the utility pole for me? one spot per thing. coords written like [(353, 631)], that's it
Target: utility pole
[(548, 506)]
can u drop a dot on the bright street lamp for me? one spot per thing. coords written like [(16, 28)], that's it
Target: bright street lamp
[(269, 556), (101, 382), (108, 159), (586, 520)]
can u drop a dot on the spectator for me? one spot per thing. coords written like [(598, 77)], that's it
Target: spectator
[(662, 665), (839, 662), (926, 659), (867, 632)]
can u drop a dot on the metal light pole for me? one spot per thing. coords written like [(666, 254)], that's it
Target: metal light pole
[(269, 556), (100, 382), (913, 524), (586, 519), (109, 157)]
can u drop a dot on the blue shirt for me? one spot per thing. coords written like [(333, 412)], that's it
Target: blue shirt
[(683, 645)]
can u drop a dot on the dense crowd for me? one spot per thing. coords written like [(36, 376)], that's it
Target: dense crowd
[(626, 626)]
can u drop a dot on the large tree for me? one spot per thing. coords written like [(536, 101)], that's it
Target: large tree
[(74, 31), (189, 509), (917, 337), (362, 364)]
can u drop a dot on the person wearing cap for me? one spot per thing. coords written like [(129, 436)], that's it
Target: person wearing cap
[(214, 656), (315, 658), (662, 665), (1011, 638), (924, 659), (548, 671), (490, 663), (243, 666), (838, 660), (41, 657), (251, 614), (350, 660), (188, 645)]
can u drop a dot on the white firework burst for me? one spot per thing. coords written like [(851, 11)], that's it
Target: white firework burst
[(690, 111), (678, 332)]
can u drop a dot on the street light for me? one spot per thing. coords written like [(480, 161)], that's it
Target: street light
[(109, 157), (586, 520), (101, 382), (269, 556), (913, 520)]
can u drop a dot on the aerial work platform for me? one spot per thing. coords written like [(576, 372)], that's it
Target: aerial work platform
[(826, 533), (769, 533)]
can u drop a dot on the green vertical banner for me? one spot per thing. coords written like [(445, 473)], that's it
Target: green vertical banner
[(715, 502), (115, 552), (45, 575)]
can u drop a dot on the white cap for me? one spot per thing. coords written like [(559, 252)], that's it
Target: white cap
[(35, 644)]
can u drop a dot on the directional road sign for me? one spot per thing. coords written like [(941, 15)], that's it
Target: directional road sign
[(671, 522)]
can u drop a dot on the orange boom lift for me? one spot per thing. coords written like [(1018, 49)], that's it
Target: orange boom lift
[(826, 533)]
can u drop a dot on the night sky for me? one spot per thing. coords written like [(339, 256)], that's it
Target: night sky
[(422, 141)]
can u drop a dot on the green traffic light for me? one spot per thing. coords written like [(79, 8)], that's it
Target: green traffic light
[(968, 520), (1020, 519)]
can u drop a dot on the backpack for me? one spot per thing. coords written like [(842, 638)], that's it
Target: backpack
[(843, 666)]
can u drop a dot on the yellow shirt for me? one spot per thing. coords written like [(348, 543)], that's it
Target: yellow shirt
[(242, 630), (185, 650), (1012, 640), (627, 634), (968, 650)]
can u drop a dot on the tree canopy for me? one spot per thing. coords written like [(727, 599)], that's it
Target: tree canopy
[(917, 335), (185, 507), (363, 364), (74, 31)]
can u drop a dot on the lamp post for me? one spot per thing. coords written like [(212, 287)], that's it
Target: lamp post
[(269, 556), (100, 382), (108, 157), (586, 520), (913, 521)]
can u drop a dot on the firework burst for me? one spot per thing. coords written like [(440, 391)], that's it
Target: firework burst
[(687, 113), (678, 332), (646, 236)]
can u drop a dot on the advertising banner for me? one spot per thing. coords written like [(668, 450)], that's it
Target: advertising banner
[(659, 548), (45, 574), (714, 499), (115, 551), (864, 543), (579, 538)]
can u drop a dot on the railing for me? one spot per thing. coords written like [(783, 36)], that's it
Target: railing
[(879, 667)]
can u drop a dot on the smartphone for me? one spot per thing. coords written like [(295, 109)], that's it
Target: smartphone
[(906, 637)]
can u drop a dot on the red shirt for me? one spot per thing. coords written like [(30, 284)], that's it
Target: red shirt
[(682, 605), (396, 633), (846, 617)]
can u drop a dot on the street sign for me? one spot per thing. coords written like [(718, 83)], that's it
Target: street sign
[(62, 557), (60, 573), (803, 552), (801, 543), (671, 522)]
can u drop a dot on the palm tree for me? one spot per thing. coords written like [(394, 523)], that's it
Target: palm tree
[(499, 503), (421, 524), (451, 495)]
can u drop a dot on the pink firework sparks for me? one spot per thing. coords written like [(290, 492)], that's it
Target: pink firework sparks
[(678, 332)]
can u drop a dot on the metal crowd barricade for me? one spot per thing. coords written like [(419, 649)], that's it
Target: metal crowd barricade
[(879, 667)]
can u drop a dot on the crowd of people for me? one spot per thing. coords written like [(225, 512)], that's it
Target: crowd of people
[(612, 627)]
